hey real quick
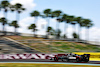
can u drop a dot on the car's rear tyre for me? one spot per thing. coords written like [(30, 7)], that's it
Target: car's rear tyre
[(55, 59), (87, 60), (77, 60)]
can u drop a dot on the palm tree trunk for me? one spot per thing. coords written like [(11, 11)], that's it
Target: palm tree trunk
[(35, 22), (87, 34), (65, 30), (15, 30), (58, 31), (74, 29), (47, 34), (34, 34), (79, 33), (3, 29), (57, 28), (17, 16), (5, 15)]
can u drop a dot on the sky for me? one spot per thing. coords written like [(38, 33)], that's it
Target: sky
[(88, 9)]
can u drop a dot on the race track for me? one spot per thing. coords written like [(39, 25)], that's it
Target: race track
[(32, 61), (46, 60)]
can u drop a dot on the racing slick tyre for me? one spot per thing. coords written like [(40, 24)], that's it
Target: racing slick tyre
[(67, 60), (87, 60), (77, 60), (55, 59)]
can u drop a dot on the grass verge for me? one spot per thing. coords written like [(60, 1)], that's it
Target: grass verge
[(55, 47), (40, 65)]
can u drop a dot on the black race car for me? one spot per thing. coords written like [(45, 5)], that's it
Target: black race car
[(72, 57)]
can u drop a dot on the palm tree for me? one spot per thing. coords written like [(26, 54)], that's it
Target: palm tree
[(59, 21), (87, 24), (5, 5), (58, 15), (68, 21), (72, 22), (33, 27), (47, 15), (64, 17), (15, 25), (12, 8), (50, 30), (75, 36), (58, 31), (18, 8), (4, 22), (35, 14), (80, 23)]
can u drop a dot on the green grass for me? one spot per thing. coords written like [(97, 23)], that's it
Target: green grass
[(72, 46), (40, 65), (64, 47), (58, 43), (57, 47)]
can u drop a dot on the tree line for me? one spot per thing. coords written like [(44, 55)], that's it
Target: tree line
[(47, 14)]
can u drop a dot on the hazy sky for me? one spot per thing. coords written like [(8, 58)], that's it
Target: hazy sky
[(88, 9), (85, 8)]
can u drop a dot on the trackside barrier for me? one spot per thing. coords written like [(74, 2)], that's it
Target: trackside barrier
[(94, 56), (26, 56)]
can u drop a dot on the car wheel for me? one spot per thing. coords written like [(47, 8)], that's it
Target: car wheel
[(87, 60), (77, 60), (50, 58), (55, 59), (67, 59)]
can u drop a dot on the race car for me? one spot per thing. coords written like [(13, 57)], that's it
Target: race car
[(72, 57)]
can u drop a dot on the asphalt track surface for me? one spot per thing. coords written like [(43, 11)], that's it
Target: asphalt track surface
[(45, 60)]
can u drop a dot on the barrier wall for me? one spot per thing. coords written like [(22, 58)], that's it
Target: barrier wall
[(27, 56), (94, 56)]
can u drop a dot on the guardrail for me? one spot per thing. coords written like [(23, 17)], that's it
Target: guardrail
[(94, 56)]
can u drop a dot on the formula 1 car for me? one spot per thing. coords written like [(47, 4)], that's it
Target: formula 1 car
[(73, 57)]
